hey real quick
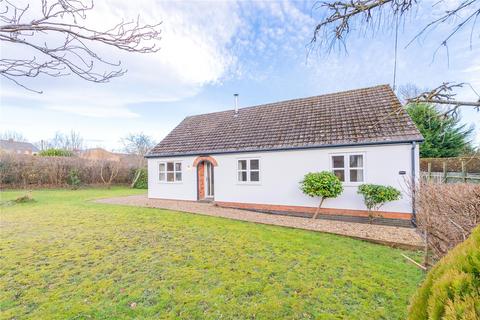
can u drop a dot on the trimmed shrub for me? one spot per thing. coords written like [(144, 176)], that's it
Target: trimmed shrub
[(452, 287), (375, 196), (55, 153), (141, 179), (321, 184)]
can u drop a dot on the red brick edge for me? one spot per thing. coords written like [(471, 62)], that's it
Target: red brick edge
[(207, 158), (311, 210)]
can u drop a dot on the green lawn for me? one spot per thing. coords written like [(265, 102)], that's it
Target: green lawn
[(65, 257)]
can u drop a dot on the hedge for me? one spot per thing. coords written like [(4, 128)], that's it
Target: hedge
[(447, 213), (452, 287), (33, 171), (55, 153)]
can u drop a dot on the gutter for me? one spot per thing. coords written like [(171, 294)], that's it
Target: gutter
[(213, 152), (413, 183)]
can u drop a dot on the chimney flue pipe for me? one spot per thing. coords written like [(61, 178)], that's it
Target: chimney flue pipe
[(235, 95)]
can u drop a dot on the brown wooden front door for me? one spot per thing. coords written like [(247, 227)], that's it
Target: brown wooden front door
[(201, 180), (205, 180)]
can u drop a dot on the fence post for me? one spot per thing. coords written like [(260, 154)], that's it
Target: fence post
[(445, 177), (429, 169), (464, 172)]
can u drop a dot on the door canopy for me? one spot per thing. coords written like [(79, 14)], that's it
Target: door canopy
[(205, 158)]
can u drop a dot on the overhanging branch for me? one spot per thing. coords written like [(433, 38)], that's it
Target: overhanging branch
[(74, 55), (448, 102)]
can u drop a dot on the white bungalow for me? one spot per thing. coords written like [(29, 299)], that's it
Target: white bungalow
[(254, 157)]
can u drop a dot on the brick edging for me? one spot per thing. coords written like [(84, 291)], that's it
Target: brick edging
[(311, 210)]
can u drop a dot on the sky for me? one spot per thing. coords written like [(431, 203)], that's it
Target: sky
[(211, 50)]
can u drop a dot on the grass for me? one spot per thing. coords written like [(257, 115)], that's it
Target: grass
[(65, 257)]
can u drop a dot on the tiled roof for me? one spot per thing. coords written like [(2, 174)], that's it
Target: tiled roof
[(369, 115), (17, 145)]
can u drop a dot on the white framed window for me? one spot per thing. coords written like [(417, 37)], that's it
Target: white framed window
[(248, 170), (349, 167), (170, 171)]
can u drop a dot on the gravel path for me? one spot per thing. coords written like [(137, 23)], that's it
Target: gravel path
[(393, 236)]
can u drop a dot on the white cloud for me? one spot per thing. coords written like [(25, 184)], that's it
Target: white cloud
[(193, 53), (473, 68), (201, 44), (96, 111), (472, 73), (193, 45), (205, 43)]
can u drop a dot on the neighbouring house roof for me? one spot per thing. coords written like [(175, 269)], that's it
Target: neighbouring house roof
[(363, 116), (14, 146), (98, 154), (102, 154)]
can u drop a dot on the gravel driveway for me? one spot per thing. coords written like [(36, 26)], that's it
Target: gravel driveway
[(393, 236)]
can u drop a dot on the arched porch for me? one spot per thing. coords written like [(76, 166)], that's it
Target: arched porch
[(205, 177)]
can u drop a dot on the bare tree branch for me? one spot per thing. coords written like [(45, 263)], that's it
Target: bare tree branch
[(445, 95), (337, 25), (341, 14), (450, 15), (12, 135), (456, 103), (73, 55), (137, 144)]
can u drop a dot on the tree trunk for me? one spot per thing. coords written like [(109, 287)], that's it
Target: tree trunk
[(137, 175), (318, 209)]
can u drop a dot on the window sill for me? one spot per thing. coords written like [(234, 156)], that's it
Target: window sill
[(169, 182), (247, 183)]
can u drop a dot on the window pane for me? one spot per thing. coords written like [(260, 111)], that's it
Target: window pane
[(254, 176), (340, 174), (242, 175), (178, 166), (356, 161), (170, 176), (178, 176), (161, 176), (356, 175), (254, 164), (169, 166), (338, 162), (242, 164), (162, 167)]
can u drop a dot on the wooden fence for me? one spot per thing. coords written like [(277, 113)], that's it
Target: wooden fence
[(449, 177)]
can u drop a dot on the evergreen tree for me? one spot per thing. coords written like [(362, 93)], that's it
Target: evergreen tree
[(444, 135)]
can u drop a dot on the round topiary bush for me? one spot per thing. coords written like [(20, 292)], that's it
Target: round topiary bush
[(321, 184), (452, 287), (375, 196)]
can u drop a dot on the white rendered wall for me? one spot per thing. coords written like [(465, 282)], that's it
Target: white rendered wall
[(185, 190), (281, 172)]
